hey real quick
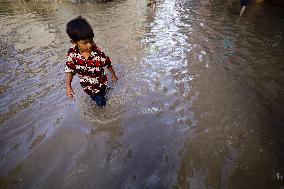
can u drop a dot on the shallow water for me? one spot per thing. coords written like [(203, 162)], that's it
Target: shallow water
[(199, 102)]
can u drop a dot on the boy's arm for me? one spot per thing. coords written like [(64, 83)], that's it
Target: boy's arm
[(113, 75), (107, 64), (69, 91)]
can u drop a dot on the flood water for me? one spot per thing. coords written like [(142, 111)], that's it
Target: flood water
[(198, 105)]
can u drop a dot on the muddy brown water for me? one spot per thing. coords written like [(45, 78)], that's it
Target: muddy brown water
[(198, 105)]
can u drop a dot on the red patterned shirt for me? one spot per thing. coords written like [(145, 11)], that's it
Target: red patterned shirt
[(91, 71)]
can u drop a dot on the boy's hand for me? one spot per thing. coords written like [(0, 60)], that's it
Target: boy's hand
[(70, 93), (114, 78), (113, 75)]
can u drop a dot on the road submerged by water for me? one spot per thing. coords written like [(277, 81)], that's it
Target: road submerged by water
[(199, 102)]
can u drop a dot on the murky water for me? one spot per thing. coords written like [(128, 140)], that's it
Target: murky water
[(199, 102)]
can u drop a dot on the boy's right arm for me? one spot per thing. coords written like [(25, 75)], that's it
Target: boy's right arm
[(69, 91)]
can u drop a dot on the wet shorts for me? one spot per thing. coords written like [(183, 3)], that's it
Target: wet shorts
[(244, 2), (99, 98)]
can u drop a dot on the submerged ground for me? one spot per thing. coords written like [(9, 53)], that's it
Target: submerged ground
[(199, 102)]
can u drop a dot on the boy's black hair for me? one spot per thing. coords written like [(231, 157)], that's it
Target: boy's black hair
[(79, 29)]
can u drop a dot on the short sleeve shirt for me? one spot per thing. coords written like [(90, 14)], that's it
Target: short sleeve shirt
[(91, 71)]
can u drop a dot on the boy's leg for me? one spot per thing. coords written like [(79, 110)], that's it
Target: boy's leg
[(242, 10), (243, 6), (99, 98)]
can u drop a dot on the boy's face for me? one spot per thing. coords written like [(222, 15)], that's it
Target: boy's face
[(84, 45)]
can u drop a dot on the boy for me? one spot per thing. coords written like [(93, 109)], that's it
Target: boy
[(86, 59)]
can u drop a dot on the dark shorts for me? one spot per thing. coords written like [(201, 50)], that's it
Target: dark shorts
[(99, 98), (244, 2)]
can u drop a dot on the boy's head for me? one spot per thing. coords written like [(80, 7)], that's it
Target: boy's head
[(79, 29)]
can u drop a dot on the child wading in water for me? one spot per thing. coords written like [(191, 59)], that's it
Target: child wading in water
[(86, 59)]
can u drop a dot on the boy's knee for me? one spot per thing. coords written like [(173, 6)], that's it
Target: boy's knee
[(99, 99), (101, 102)]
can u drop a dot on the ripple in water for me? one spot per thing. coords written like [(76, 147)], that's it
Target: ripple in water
[(121, 97)]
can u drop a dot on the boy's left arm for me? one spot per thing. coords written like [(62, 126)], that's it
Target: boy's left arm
[(113, 75), (108, 64), (109, 67)]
